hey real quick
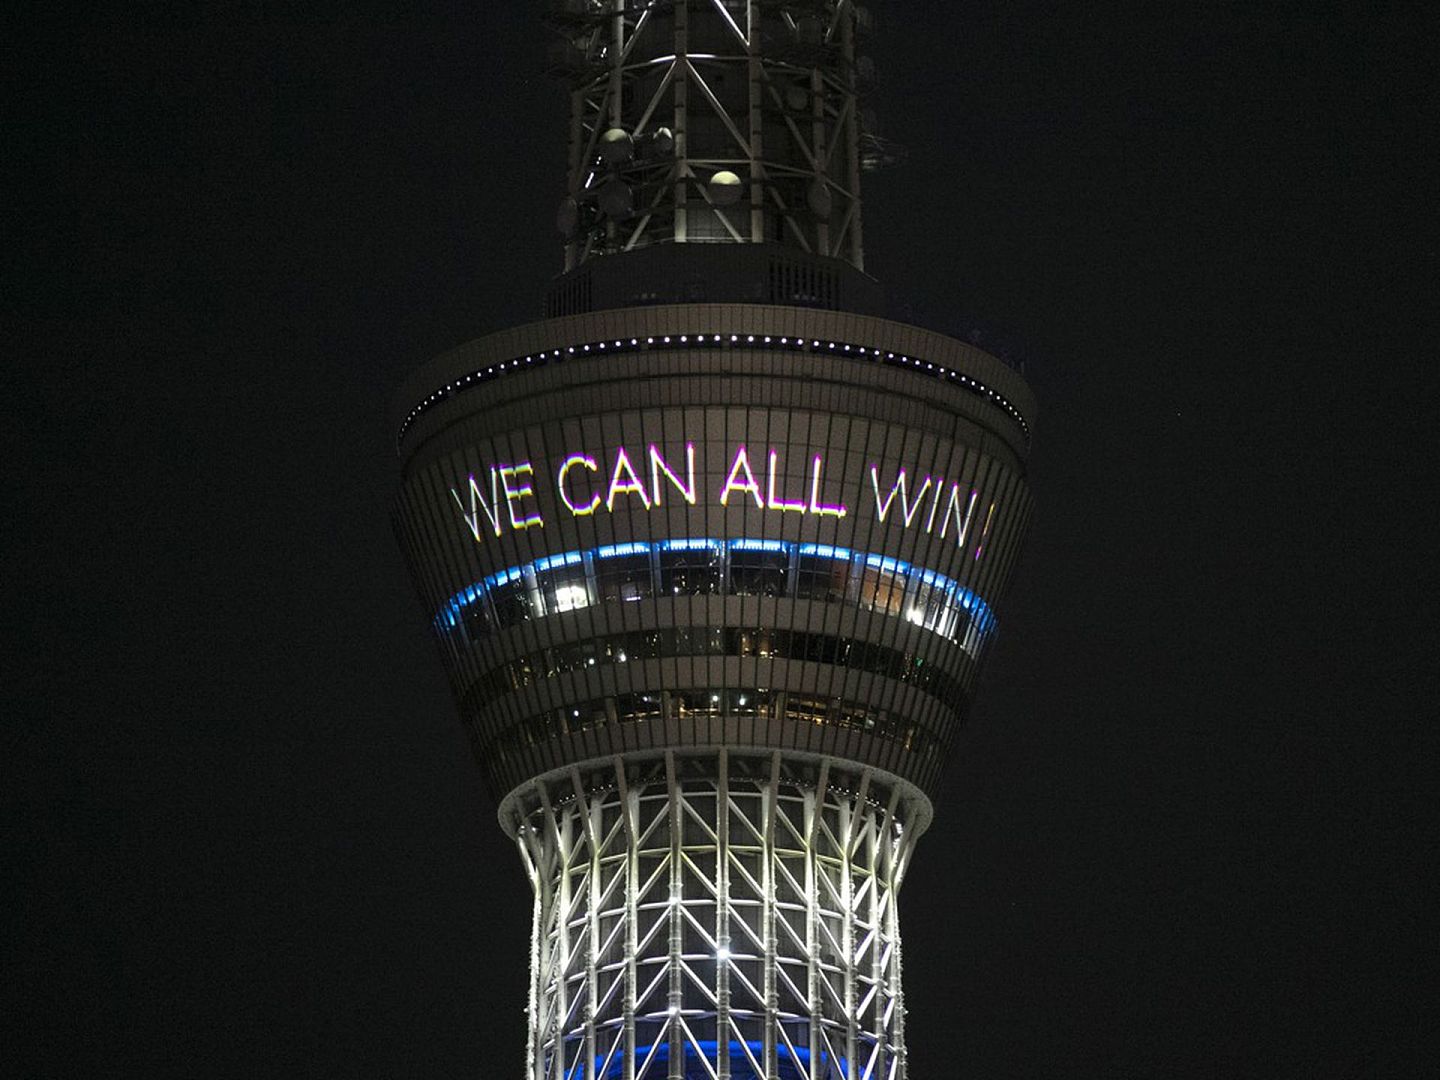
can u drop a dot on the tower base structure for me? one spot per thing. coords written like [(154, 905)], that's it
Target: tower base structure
[(714, 914)]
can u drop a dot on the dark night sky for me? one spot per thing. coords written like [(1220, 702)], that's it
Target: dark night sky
[(1185, 833)]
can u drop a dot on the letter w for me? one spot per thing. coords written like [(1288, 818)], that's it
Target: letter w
[(478, 503), (883, 508)]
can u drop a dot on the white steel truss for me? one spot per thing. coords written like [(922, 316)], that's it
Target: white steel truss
[(715, 916), (766, 89)]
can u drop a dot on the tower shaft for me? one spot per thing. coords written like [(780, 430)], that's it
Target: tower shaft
[(734, 912), (713, 554)]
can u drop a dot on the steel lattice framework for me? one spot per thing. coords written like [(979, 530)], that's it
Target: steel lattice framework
[(722, 916), (766, 90)]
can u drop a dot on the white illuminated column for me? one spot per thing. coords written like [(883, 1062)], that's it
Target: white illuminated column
[(722, 916)]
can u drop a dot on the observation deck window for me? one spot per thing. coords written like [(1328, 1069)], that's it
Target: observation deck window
[(587, 714), (696, 567), (810, 710), (564, 588), (882, 589), (513, 602), (577, 655), (759, 573), (693, 572), (624, 577), (932, 607), (692, 703), (820, 577), (749, 702), (635, 707), (711, 702), (475, 618)]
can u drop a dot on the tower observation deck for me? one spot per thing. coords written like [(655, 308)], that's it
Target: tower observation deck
[(713, 553)]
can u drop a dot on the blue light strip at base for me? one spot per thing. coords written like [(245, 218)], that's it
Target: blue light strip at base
[(792, 1064)]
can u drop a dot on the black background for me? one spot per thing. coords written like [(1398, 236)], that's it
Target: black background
[(1188, 830)]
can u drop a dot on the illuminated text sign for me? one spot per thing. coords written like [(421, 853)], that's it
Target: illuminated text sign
[(512, 496)]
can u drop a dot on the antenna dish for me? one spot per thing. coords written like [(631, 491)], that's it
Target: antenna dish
[(725, 188), (616, 146), (662, 141)]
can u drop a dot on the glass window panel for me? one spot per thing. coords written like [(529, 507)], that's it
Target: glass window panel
[(691, 703), (770, 643), (690, 573), (807, 710), (709, 641), (932, 607), (522, 672), (475, 617), (856, 716), (820, 577), (758, 573), (631, 707), (882, 590), (564, 588), (512, 602), (648, 646), (748, 702), (624, 577)]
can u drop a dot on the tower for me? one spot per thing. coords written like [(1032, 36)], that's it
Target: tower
[(713, 552)]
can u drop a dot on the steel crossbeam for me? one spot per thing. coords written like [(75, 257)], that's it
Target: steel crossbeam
[(761, 88)]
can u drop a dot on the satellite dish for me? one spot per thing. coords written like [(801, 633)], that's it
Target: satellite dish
[(819, 198), (616, 199), (662, 141), (797, 97), (567, 217), (616, 146), (725, 188)]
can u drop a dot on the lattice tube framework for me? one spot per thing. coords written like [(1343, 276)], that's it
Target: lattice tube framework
[(766, 91), (716, 915)]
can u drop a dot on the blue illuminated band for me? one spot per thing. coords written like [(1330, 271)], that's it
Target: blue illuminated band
[(794, 1063), (452, 612)]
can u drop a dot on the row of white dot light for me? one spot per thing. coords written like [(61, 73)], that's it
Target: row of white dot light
[(495, 370)]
